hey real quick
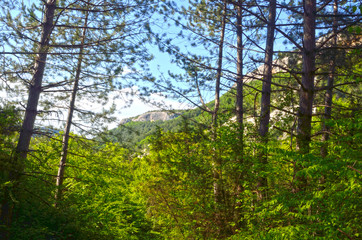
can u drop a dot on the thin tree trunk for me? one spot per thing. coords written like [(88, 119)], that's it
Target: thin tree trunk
[(329, 94), (266, 92), (219, 69), (239, 146), (239, 85), (217, 171), (306, 93), (64, 153), (239, 66), (30, 112)]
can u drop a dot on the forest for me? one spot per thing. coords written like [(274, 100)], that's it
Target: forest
[(267, 144)]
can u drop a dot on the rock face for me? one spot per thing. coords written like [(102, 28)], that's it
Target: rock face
[(151, 117), (125, 120)]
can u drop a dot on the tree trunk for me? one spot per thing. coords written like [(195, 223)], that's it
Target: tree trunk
[(266, 92), (219, 68), (307, 86), (36, 82), (239, 145), (307, 89), (239, 67), (30, 113), (64, 153), (217, 162), (329, 94)]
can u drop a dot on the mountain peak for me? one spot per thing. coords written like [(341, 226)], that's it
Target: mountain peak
[(152, 116)]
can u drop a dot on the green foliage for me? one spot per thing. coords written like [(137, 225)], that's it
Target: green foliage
[(328, 208), (9, 124), (159, 180), (132, 135), (167, 190), (176, 181), (98, 197), (176, 178)]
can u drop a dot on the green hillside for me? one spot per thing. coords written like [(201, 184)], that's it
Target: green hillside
[(130, 134)]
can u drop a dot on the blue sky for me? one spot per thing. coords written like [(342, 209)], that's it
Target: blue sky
[(160, 65)]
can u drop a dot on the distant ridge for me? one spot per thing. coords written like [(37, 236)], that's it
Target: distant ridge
[(152, 116)]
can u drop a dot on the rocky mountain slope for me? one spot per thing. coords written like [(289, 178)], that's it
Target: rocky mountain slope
[(152, 116)]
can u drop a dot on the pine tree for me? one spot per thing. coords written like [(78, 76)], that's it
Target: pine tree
[(266, 91), (329, 94), (31, 110), (66, 135)]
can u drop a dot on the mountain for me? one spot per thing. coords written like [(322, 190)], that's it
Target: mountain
[(132, 131), (152, 116)]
